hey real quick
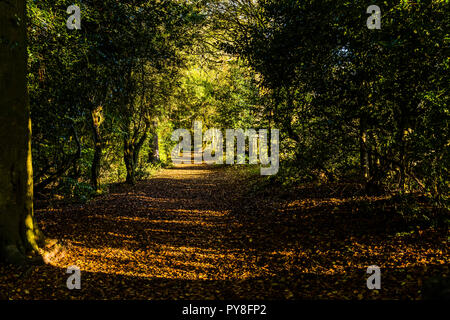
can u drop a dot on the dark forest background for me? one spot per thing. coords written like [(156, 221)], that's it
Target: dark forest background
[(360, 111)]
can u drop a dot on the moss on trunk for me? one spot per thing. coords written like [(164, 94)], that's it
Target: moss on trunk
[(19, 235)]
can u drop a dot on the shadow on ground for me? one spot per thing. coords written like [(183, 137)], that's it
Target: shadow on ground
[(192, 232)]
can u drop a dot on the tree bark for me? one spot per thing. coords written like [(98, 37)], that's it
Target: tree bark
[(96, 117), (128, 158), (154, 151), (19, 234), (363, 154), (131, 149)]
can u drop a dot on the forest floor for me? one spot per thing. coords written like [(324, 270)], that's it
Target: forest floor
[(196, 232)]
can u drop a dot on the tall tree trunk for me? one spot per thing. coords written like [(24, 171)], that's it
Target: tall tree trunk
[(96, 118), (401, 135), (363, 154), (154, 151), (129, 160), (19, 235), (131, 149)]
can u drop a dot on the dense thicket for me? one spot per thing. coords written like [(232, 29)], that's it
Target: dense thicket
[(134, 72), (351, 103), (370, 105)]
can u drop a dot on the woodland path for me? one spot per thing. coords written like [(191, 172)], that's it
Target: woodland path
[(194, 232)]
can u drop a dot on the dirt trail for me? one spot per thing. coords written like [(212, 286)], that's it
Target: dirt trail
[(191, 232), (175, 226)]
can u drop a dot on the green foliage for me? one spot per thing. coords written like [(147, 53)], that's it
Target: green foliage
[(93, 91), (352, 104), (74, 190), (352, 100)]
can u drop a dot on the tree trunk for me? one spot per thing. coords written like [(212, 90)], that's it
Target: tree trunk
[(131, 149), (129, 160), (154, 151), (96, 117), (363, 154), (19, 235)]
